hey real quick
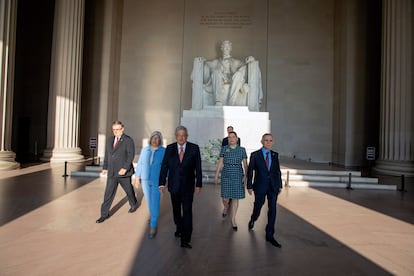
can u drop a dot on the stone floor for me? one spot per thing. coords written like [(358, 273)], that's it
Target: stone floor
[(47, 227)]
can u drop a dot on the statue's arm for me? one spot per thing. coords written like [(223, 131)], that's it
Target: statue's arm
[(207, 72)]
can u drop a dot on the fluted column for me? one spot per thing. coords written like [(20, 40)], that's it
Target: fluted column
[(8, 11), (65, 82), (396, 153)]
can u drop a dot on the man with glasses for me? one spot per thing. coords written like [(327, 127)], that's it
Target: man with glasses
[(119, 154)]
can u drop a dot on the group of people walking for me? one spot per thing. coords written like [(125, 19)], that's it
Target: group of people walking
[(178, 168)]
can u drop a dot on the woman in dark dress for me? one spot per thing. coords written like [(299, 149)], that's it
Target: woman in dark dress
[(233, 164)]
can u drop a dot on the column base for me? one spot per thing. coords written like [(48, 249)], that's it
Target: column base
[(394, 168), (7, 161), (62, 155)]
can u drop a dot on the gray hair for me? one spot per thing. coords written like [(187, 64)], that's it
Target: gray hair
[(267, 134), (181, 128), (156, 133)]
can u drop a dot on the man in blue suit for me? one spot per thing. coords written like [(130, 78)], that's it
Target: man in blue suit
[(267, 182), (182, 166)]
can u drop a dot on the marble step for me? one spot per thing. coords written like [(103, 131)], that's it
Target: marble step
[(90, 171), (85, 174), (342, 185), (320, 172), (330, 178)]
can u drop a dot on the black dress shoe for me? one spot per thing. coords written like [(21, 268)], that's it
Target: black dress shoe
[(274, 242), (177, 234), (186, 245), (102, 219), (251, 224), (133, 209)]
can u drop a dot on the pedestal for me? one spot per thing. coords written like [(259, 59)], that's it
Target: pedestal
[(212, 121)]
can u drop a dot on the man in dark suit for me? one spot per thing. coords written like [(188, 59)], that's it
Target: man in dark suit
[(182, 166), (225, 140), (119, 154), (267, 183)]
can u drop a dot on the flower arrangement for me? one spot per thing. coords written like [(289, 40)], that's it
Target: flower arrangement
[(211, 151)]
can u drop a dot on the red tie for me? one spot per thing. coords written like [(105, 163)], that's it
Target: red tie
[(267, 160), (116, 142), (181, 153)]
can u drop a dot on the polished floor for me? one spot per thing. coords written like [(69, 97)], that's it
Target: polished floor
[(47, 227)]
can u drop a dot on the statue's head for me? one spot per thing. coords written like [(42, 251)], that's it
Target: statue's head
[(226, 47)]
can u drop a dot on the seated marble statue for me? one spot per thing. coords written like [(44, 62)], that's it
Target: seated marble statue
[(226, 81)]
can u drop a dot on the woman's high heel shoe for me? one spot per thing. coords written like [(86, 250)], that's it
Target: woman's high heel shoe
[(152, 233), (224, 214), (234, 226)]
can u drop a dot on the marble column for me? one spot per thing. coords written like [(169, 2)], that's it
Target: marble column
[(8, 12), (396, 152), (65, 83)]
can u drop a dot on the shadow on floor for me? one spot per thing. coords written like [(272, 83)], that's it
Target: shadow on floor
[(24, 193), (218, 250)]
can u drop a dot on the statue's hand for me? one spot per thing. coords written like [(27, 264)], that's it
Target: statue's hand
[(200, 59), (208, 88), (245, 88), (249, 59)]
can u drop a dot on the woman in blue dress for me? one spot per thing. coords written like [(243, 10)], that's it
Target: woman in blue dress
[(148, 173), (233, 167)]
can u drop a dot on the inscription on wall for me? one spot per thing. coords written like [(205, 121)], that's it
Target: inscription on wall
[(225, 20)]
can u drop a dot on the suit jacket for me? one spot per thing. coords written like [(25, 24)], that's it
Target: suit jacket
[(181, 176), (262, 175), (120, 157)]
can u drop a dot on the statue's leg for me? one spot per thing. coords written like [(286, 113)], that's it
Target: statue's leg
[(216, 81), (238, 81)]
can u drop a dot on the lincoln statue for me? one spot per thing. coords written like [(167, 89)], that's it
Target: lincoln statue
[(226, 81)]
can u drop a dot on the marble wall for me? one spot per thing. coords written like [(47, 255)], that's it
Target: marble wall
[(293, 41), (300, 77)]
